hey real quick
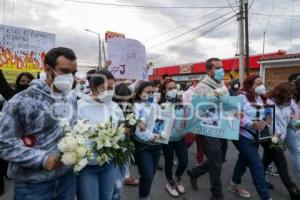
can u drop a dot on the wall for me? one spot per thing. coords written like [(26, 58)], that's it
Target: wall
[(275, 75)]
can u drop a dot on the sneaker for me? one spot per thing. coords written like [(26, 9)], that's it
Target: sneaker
[(294, 192), (131, 181), (175, 163), (239, 190), (270, 186), (172, 190), (179, 186), (159, 167), (272, 170), (193, 180)]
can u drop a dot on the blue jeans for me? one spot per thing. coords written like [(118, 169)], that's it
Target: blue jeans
[(293, 143), (249, 157), (180, 149), (120, 174), (147, 158), (96, 183), (62, 188)]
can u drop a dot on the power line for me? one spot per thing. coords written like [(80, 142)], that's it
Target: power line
[(268, 22), (145, 6), (179, 26), (251, 4), (230, 5), (184, 43), (279, 16), (189, 31)]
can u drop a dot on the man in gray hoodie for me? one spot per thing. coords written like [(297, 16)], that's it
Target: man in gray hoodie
[(30, 132), (214, 148)]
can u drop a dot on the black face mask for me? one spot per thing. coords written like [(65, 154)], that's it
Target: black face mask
[(22, 87)]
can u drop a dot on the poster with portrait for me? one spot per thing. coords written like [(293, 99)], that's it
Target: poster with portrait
[(161, 124), (266, 115), (215, 117)]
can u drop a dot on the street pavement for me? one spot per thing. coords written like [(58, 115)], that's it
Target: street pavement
[(158, 188)]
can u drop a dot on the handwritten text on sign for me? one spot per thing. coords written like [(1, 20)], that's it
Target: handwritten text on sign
[(128, 59), (23, 49)]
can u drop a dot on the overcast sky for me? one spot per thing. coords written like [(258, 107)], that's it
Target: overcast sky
[(154, 27)]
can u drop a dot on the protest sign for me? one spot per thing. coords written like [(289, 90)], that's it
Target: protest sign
[(128, 59), (215, 117), (23, 50)]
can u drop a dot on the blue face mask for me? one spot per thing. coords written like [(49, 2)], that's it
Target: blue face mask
[(219, 74), (150, 99), (171, 99)]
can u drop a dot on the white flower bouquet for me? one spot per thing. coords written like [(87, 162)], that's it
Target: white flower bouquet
[(74, 145), (219, 92), (131, 121), (108, 143), (277, 143)]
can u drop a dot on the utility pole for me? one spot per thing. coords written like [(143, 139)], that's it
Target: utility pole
[(241, 42), (247, 39), (264, 41)]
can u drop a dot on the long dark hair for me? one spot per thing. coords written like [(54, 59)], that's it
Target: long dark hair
[(27, 75), (297, 90), (248, 91), (281, 93), (163, 92), (140, 90)]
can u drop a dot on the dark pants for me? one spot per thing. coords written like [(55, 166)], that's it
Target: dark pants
[(213, 164), (3, 171), (180, 149), (190, 138), (249, 157), (277, 156), (146, 157)]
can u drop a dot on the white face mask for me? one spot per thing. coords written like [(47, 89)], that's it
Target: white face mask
[(64, 82), (171, 93), (106, 96), (260, 90), (156, 96), (236, 86)]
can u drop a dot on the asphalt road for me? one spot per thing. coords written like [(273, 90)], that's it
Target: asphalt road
[(158, 188)]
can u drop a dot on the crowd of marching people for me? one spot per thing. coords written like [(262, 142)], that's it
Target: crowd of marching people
[(30, 133)]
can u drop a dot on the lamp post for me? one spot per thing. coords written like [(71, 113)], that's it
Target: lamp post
[(99, 46)]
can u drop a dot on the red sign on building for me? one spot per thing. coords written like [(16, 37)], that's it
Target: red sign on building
[(109, 34)]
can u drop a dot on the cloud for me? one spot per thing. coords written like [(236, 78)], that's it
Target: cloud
[(68, 21)]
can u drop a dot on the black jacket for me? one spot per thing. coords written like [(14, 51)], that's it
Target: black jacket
[(5, 90)]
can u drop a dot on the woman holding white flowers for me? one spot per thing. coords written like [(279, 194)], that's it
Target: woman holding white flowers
[(170, 101), (281, 96), (293, 135), (97, 180), (147, 151)]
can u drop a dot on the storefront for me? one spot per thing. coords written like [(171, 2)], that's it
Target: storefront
[(196, 71)]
